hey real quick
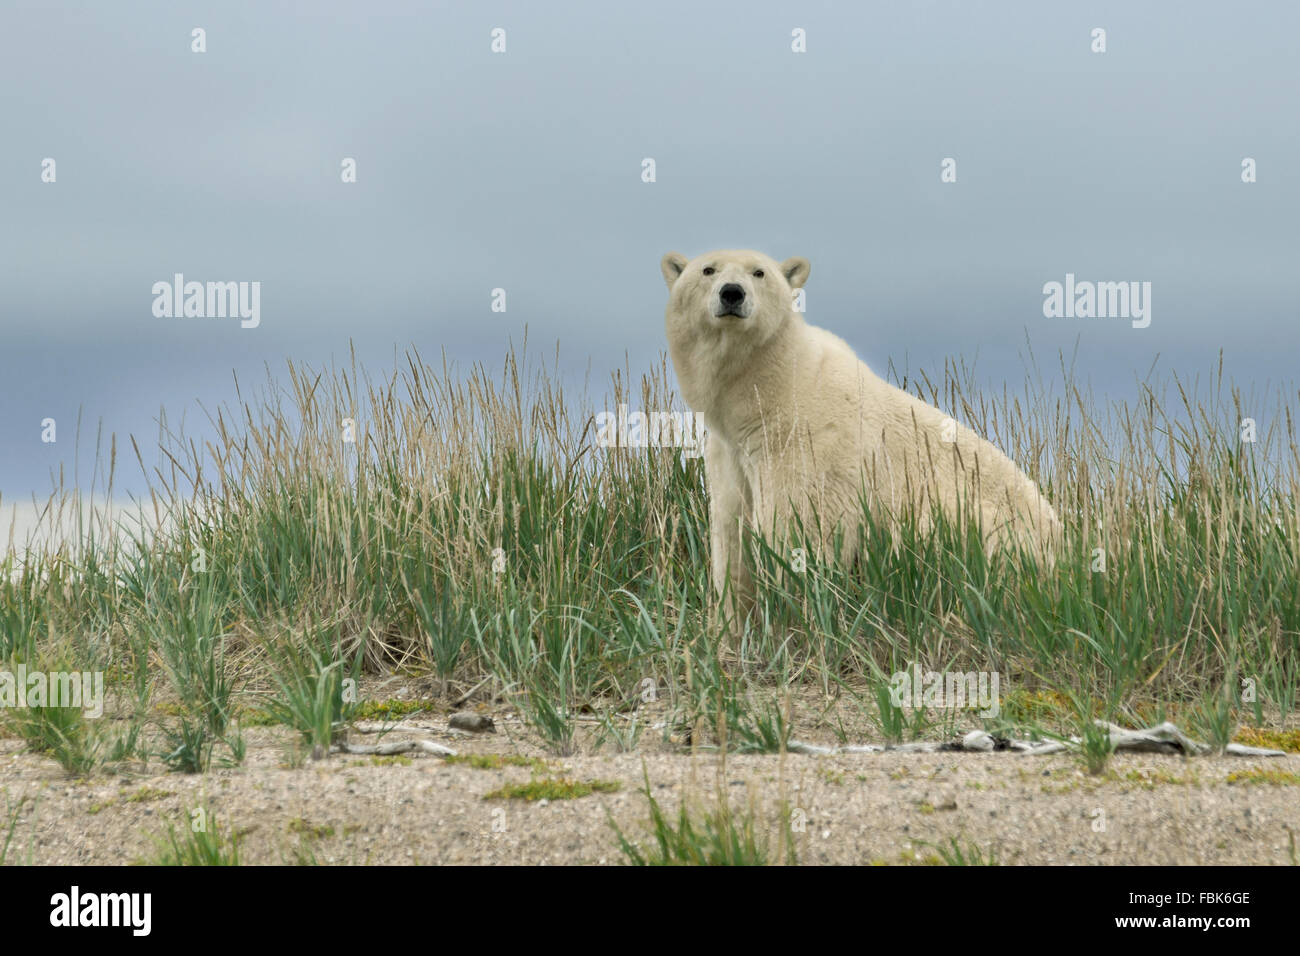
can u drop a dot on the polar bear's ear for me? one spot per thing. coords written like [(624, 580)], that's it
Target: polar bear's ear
[(796, 271), (672, 266)]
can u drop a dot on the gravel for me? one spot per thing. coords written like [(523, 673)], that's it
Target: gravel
[(890, 808)]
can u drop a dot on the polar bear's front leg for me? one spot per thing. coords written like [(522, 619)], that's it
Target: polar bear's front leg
[(729, 505)]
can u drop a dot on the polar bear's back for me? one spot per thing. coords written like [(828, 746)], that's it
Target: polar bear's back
[(912, 454)]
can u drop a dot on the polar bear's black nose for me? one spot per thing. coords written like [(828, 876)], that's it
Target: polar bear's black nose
[(731, 295)]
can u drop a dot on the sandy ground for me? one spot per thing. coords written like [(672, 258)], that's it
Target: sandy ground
[(874, 808)]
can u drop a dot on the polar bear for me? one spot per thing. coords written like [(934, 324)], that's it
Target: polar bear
[(800, 428)]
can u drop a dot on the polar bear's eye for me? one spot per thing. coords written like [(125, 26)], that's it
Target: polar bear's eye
[(758, 273), (708, 270)]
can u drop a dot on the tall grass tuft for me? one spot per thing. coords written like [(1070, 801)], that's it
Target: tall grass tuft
[(316, 690), (721, 836)]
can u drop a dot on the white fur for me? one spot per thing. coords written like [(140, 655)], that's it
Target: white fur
[(799, 425)]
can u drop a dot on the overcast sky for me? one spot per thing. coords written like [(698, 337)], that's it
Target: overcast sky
[(523, 171)]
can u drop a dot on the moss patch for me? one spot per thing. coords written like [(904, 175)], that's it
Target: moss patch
[(147, 795), (499, 762), (558, 788), (389, 710), (1288, 740), (390, 760), (1037, 706), (310, 830), (1150, 779), (143, 795), (257, 717), (1272, 777), (831, 776)]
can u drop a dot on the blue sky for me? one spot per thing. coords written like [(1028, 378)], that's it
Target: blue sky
[(522, 171)]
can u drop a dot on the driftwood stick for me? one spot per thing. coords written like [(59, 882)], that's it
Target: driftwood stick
[(1164, 738), (398, 747), (385, 727)]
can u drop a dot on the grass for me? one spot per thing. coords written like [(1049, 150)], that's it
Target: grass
[(62, 733), (720, 836), (1095, 746), (954, 854), (474, 531), (209, 846), (316, 695), (187, 626), (9, 824)]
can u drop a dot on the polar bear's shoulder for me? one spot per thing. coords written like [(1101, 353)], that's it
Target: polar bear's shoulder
[(836, 363)]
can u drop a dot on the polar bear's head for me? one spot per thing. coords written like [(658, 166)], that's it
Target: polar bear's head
[(739, 290)]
